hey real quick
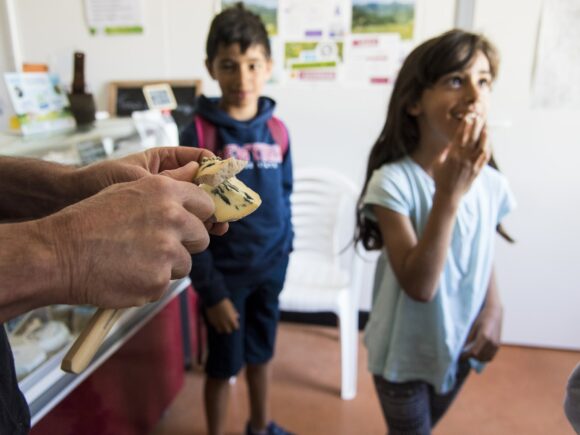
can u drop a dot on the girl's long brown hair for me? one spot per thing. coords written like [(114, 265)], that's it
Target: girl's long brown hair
[(451, 51)]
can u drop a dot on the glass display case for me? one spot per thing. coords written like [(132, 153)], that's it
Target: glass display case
[(41, 338)]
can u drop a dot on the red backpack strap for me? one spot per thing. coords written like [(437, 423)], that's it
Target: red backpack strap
[(206, 134), (279, 133)]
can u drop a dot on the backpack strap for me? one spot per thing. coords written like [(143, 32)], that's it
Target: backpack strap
[(206, 134), (279, 133)]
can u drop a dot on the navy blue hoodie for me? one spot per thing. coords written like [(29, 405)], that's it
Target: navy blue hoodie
[(256, 244)]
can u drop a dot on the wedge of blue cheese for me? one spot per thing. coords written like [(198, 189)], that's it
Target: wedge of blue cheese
[(214, 171), (233, 200)]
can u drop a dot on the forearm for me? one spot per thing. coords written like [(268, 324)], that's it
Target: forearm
[(31, 188), (208, 281), (492, 299), (29, 269), (424, 264)]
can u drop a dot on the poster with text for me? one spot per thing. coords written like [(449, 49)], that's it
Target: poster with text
[(114, 17), (313, 60), (321, 19), (384, 16), (372, 58)]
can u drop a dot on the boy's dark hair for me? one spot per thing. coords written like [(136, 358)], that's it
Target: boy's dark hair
[(236, 25), (427, 63)]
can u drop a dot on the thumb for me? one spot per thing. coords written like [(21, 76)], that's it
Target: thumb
[(185, 173)]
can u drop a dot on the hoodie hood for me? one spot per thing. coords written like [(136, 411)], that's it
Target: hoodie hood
[(210, 110)]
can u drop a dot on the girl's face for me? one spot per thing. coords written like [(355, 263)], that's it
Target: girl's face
[(241, 78), (454, 96)]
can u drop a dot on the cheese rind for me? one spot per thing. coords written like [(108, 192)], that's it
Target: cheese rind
[(233, 200), (214, 171)]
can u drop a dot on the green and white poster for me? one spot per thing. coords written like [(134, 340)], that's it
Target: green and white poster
[(114, 17)]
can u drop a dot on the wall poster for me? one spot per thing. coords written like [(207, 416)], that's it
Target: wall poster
[(348, 41)]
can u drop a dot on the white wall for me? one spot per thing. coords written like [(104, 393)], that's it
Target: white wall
[(170, 47), (540, 154)]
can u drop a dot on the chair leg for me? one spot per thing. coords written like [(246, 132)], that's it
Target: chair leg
[(348, 323)]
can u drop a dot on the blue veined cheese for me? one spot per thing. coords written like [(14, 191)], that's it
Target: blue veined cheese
[(214, 170), (233, 199)]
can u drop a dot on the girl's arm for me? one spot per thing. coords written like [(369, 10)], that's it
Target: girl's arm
[(484, 337), (418, 263)]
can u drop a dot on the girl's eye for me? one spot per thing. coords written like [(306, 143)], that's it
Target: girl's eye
[(484, 83), (455, 81)]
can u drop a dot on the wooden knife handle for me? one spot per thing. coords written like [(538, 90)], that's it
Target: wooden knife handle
[(88, 342)]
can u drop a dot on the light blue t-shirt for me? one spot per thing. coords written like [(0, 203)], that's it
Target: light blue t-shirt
[(411, 340)]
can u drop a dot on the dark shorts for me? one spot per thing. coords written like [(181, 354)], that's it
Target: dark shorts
[(254, 342)]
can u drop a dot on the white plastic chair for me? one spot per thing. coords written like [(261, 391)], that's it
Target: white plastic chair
[(324, 271)]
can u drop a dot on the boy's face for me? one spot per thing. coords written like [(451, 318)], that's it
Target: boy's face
[(241, 78)]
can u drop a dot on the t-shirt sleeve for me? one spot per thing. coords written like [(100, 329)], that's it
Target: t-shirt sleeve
[(507, 201), (389, 188)]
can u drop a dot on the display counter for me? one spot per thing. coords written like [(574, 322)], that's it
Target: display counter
[(38, 145), (134, 376)]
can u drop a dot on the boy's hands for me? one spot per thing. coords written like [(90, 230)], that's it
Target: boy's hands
[(463, 161), (223, 316)]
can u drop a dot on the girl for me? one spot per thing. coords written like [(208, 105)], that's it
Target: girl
[(432, 202)]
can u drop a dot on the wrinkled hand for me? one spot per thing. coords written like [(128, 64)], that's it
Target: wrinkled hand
[(166, 160), (223, 316), (484, 337), (122, 246), (179, 163), (463, 161)]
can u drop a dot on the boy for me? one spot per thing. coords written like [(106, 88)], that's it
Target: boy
[(241, 274)]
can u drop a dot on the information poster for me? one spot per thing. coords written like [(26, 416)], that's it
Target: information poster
[(322, 19), (114, 17), (373, 58), (348, 41), (39, 102), (384, 16), (313, 60)]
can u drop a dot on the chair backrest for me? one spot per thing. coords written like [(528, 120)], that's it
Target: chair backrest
[(323, 213)]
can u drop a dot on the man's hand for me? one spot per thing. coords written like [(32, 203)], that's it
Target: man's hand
[(171, 160), (179, 163), (122, 246), (223, 316)]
